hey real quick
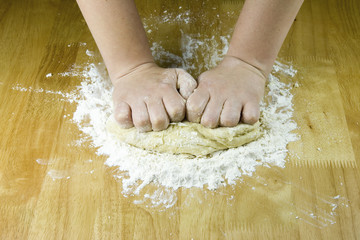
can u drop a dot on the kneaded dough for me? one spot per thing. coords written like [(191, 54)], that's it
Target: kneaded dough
[(187, 138)]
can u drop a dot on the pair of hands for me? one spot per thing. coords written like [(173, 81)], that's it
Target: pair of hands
[(150, 97)]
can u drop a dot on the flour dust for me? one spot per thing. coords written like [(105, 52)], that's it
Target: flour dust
[(138, 168)]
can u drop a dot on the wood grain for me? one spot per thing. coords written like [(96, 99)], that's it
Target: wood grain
[(316, 196)]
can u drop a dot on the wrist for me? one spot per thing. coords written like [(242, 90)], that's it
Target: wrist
[(263, 64), (125, 70), (230, 60)]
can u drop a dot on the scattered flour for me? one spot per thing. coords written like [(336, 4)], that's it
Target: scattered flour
[(69, 97), (138, 168), (211, 50), (89, 53), (57, 174), (167, 18)]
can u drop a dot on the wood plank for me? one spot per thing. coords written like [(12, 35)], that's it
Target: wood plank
[(51, 188)]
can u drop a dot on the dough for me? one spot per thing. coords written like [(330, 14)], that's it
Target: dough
[(187, 138)]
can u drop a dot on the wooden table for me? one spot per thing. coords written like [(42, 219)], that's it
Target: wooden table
[(316, 196)]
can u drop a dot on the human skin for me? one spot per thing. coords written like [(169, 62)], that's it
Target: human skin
[(231, 92), (145, 95), (149, 97)]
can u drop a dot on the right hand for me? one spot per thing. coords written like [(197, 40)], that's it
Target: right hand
[(148, 97)]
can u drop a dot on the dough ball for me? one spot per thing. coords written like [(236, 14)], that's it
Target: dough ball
[(187, 138)]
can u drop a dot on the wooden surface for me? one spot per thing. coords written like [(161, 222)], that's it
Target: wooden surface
[(316, 196)]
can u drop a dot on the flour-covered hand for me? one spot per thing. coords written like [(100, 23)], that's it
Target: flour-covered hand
[(149, 97), (227, 94)]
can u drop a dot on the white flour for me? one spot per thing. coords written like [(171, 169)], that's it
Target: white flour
[(212, 49), (138, 168), (70, 97)]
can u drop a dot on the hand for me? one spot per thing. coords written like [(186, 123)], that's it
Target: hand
[(148, 97), (227, 94)]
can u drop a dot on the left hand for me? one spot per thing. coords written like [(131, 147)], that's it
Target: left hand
[(227, 94)]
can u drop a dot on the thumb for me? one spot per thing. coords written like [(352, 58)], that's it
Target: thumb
[(185, 83)]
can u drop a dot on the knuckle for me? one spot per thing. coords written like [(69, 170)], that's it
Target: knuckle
[(177, 113), (195, 118), (178, 109), (160, 124), (177, 116), (123, 118), (121, 115), (125, 123), (229, 122), (142, 122), (250, 118), (208, 122), (192, 107), (158, 121)]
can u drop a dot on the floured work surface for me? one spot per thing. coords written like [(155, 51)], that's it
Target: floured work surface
[(187, 138), (50, 173)]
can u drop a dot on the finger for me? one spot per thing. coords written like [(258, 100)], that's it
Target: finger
[(158, 116), (196, 104), (185, 83), (230, 114), (174, 106), (211, 115), (250, 112), (122, 114), (140, 116)]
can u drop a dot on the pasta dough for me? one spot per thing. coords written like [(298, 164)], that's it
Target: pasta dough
[(187, 138)]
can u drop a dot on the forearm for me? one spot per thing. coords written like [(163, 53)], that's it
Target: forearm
[(118, 32), (261, 30)]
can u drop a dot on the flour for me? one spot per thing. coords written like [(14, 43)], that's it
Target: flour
[(138, 168), (211, 50), (69, 97), (57, 174), (89, 53), (167, 18)]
